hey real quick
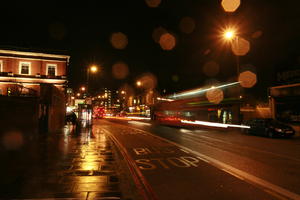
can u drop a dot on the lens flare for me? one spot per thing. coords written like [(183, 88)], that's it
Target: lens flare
[(247, 79), (153, 3), (175, 78), (57, 31), (211, 68), (257, 34), (187, 25), (119, 40), (230, 5), (206, 52), (120, 70), (240, 46), (12, 140), (215, 95), (167, 41), (149, 81), (157, 33)]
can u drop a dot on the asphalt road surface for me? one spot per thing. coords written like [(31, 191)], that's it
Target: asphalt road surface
[(176, 163)]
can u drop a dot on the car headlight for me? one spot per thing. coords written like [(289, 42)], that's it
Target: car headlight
[(278, 129)]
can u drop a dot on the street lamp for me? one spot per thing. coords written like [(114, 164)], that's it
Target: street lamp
[(230, 35), (92, 69), (83, 88), (138, 83)]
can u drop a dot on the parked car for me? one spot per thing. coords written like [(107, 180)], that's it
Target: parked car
[(269, 127)]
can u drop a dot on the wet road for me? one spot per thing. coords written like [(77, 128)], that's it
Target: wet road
[(210, 164), (65, 165)]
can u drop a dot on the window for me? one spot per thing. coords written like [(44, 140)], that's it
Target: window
[(1, 66), (51, 70), (25, 68)]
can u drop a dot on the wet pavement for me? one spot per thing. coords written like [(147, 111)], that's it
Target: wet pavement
[(63, 165)]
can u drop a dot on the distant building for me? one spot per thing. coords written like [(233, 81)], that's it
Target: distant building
[(22, 72)]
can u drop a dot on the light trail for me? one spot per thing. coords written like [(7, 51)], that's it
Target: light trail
[(139, 123), (140, 118), (213, 124), (200, 90), (128, 118)]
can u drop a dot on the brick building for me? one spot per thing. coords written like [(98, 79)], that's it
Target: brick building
[(22, 72), (32, 90)]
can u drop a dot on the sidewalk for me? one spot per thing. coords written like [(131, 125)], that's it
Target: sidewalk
[(63, 165)]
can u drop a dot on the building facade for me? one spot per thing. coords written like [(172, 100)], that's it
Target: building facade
[(22, 72), (32, 90)]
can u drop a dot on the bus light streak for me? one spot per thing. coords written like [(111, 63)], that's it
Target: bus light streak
[(200, 91), (213, 124)]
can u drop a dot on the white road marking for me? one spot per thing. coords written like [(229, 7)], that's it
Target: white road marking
[(234, 171)]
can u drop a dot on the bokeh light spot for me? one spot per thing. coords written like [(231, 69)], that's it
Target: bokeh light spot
[(167, 41), (119, 40), (247, 79), (215, 95), (57, 31), (187, 25), (230, 5), (12, 140), (257, 34), (120, 70), (153, 3), (149, 81), (211, 68), (157, 33), (207, 51), (240, 46), (175, 78)]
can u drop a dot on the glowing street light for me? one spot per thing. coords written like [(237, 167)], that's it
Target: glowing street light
[(93, 68), (78, 94), (138, 83), (229, 34), (123, 92), (82, 88), (90, 69)]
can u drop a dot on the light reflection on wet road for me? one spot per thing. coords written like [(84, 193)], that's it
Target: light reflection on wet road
[(274, 161), (62, 165)]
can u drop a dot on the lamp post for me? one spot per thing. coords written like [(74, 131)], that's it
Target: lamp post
[(231, 36), (92, 69)]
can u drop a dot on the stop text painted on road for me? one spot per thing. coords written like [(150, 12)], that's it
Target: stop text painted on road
[(167, 163), (153, 150)]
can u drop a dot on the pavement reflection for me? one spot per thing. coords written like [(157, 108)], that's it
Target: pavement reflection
[(69, 164)]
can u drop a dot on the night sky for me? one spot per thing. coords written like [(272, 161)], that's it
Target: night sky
[(84, 28)]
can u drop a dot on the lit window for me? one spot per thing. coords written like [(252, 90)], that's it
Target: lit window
[(25, 68), (51, 70), (1, 66)]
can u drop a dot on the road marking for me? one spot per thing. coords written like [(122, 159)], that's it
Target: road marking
[(167, 163), (196, 137), (238, 173), (141, 183)]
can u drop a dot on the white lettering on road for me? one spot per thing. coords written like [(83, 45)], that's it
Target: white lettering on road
[(167, 163), (153, 150)]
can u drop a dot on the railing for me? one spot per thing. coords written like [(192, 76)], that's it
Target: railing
[(10, 74)]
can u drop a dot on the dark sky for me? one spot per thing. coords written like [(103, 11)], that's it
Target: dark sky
[(83, 28)]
